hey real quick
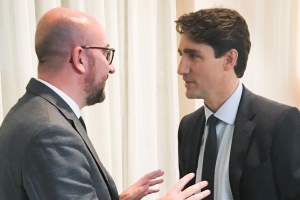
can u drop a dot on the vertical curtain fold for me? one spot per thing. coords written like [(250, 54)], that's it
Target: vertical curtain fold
[(167, 113), (134, 129), (151, 105)]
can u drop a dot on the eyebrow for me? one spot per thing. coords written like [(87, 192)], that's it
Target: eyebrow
[(188, 50)]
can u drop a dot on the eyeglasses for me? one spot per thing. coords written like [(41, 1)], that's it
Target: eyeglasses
[(109, 55)]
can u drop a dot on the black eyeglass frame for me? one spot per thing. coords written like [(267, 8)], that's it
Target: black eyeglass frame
[(103, 48)]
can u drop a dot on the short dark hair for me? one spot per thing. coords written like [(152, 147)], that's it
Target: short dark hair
[(221, 28)]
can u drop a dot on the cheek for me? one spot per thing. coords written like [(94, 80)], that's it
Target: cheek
[(204, 77), (102, 74), (200, 73), (102, 69)]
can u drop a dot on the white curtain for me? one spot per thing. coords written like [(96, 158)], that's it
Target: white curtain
[(135, 130), (274, 59)]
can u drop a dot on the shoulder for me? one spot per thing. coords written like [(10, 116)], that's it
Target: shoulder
[(33, 117), (194, 115), (190, 119), (268, 115), (256, 104)]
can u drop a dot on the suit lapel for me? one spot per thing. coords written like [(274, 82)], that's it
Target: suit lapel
[(243, 130), (45, 92), (110, 184), (196, 133), (89, 144)]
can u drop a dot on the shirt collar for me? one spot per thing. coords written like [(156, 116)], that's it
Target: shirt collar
[(227, 112), (65, 97)]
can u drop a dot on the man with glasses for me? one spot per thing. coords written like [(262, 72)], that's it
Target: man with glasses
[(45, 152)]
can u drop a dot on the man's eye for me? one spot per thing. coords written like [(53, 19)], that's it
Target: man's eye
[(193, 56)]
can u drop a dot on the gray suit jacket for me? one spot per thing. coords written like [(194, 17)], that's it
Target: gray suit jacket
[(265, 153), (45, 152)]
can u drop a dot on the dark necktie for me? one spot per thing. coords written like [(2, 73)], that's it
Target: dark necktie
[(82, 123), (210, 156)]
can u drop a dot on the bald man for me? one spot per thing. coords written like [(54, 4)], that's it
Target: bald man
[(45, 152)]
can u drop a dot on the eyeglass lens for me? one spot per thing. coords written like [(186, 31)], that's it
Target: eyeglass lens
[(108, 56)]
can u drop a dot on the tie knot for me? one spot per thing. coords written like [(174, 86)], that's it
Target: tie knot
[(212, 120), (82, 123)]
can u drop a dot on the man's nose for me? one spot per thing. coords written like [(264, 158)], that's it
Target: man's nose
[(182, 67), (111, 68)]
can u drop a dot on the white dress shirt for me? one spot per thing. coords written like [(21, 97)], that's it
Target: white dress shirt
[(65, 97), (226, 114)]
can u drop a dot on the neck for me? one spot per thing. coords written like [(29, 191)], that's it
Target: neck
[(220, 96), (71, 86)]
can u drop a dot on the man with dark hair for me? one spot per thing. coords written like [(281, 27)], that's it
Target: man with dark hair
[(245, 146), (45, 152)]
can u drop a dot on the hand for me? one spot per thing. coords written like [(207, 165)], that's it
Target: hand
[(142, 187), (189, 193)]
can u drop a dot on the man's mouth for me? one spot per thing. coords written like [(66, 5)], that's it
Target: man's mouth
[(187, 83)]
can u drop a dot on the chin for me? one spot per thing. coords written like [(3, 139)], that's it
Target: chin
[(96, 97), (191, 95)]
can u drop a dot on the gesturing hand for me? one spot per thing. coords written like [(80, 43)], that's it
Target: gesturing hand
[(142, 187), (189, 193)]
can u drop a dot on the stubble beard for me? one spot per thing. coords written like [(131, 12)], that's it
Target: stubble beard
[(95, 92)]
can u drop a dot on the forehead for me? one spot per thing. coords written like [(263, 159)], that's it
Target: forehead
[(101, 37), (185, 41), (187, 44)]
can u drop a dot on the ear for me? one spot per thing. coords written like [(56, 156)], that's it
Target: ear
[(230, 59), (77, 59)]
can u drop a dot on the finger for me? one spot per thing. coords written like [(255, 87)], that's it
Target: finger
[(147, 177), (144, 191), (154, 190), (194, 189), (154, 174), (155, 182), (200, 195), (182, 182)]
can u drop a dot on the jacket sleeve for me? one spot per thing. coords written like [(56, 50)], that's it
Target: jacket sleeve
[(179, 148), (285, 155)]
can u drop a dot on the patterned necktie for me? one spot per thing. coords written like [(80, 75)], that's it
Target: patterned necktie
[(210, 156), (82, 123)]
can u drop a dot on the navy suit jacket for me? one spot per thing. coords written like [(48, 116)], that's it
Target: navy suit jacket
[(45, 152), (265, 153)]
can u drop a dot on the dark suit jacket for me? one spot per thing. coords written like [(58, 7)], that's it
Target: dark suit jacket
[(265, 153), (45, 152)]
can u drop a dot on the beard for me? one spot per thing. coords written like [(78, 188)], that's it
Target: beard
[(95, 97), (95, 91)]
